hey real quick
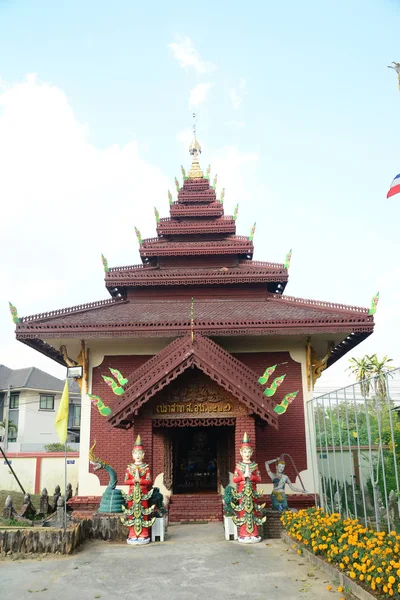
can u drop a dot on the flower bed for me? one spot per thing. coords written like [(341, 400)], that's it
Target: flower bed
[(369, 557)]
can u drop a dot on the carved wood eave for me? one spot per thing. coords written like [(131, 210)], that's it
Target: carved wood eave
[(34, 340), (225, 226), (214, 209), (216, 363), (43, 330), (44, 348), (235, 245), (165, 278)]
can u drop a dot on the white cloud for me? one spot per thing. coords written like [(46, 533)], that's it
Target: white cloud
[(65, 202), (187, 56), (184, 137), (199, 94), (232, 166), (235, 124), (237, 94)]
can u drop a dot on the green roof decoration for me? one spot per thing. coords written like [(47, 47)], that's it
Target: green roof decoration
[(282, 406), (251, 236), (288, 259), (14, 313), (266, 375), (374, 304), (138, 235), (118, 376), (274, 386), (105, 263), (99, 404)]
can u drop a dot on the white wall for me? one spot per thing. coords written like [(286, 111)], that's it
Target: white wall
[(51, 473), (35, 426)]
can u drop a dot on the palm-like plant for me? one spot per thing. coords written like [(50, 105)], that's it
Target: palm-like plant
[(361, 368), (369, 367), (12, 427), (381, 370)]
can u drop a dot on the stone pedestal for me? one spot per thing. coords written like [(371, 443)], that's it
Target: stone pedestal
[(230, 529), (158, 529)]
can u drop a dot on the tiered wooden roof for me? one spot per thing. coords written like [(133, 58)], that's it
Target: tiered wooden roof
[(197, 253), (197, 245)]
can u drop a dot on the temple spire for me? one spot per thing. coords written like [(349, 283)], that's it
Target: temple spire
[(194, 150)]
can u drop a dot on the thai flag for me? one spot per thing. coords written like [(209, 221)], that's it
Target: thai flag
[(395, 187)]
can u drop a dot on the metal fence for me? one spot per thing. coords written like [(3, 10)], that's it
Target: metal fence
[(356, 436)]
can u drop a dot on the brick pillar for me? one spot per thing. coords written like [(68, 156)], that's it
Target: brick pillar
[(144, 427), (245, 423), (158, 451)]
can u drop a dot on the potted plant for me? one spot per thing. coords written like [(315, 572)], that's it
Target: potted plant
[(229, 526)]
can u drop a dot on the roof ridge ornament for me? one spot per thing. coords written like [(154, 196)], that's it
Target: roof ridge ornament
[(288, 258), (194, 150), (105, 263)]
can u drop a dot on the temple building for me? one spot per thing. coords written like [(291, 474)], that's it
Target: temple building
[(176, 353)]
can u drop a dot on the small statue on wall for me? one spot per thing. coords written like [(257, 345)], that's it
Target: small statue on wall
[(136, 515), (279, 480), (248, 511)]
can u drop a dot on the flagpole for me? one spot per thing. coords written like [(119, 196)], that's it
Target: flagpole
[(65, 486)]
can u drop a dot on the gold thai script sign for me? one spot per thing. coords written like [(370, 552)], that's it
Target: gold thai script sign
[(193, 408)]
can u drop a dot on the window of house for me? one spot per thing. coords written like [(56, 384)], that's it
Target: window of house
[(46, 402), (76, 422), (14, 401)]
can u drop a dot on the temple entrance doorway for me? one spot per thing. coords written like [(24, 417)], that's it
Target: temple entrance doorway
[(200, 458)]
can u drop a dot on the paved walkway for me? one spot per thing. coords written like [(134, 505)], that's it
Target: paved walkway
[(195, 562)]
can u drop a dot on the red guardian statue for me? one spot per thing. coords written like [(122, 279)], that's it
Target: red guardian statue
[(248, 511), (138, 478)]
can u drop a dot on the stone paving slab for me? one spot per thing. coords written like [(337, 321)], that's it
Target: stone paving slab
[(195, 562)]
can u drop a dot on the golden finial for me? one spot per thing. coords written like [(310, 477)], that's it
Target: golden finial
[(194, 150), (138, 443)]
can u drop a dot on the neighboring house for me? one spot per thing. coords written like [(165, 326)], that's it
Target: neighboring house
[(33, 400)]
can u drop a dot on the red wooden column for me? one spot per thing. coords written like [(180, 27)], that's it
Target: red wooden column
[(245, 424)]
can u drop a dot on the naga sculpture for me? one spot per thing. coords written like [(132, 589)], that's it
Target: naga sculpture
[(112, 501)]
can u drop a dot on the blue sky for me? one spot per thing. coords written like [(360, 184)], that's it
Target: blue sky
[(297, 112)]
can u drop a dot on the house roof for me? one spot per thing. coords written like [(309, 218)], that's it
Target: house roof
[(181, 354), (32, 378)]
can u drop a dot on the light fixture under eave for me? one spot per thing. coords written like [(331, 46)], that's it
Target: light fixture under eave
[(76, 372)]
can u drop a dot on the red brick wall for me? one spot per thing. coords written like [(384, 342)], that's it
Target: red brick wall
[(291, 436), (245, 424), (112, 445), (158, 451), (115, 445)]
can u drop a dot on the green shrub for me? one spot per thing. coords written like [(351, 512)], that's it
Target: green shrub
[(57, 447)]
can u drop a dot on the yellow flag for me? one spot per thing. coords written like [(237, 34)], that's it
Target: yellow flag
[(62, 415)]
